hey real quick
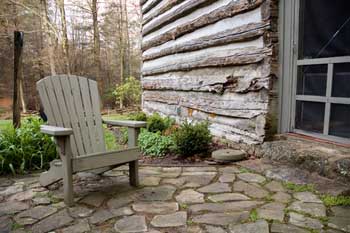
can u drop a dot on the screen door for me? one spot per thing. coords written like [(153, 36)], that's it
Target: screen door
[(322, 82)]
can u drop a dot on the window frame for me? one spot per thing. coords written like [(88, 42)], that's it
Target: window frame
[(289, 63)]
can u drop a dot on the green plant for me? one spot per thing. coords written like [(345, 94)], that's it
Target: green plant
[(329, 200), (253, 216), (155, 144), (138, 116), (110, 139), (156, 123), (26, 148), (191, 139), (129, 92), (299, 187)]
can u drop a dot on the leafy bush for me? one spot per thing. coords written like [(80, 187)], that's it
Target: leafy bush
[(155, 144), (156, 123), (26, 148), (138, 116), (129, 92), (192, 139)]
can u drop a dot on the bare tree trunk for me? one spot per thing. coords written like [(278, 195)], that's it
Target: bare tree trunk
[(127, 40), (97, 46), (48, 36), (65, 42), (121, 46)]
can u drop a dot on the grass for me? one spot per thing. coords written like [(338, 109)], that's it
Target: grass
[(329, 200), (299, 187), (244, 170), (5, 123), (116, 117), (253, 215)]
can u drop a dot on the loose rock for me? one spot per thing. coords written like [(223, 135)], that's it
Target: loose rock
[(228, 155)]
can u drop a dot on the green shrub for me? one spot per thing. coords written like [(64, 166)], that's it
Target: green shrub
[(138, 116), (192, 139), (156, 123), (155, 144), (128, 93), (26, 148)]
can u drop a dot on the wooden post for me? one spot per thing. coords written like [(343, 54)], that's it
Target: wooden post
[(18, 46)]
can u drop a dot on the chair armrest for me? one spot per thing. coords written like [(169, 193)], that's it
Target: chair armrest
[(122, 123), (55, 131)]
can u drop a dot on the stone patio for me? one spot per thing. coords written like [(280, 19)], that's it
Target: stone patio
[(171, 199)]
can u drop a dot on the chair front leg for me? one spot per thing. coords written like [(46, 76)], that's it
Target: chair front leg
[(133, 134), (66, 157)]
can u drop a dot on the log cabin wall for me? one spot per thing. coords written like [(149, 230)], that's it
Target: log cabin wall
[(215, 60)]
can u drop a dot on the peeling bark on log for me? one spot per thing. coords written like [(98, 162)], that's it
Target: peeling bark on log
[(176, 12), (239, 79), (243, 33), (229, 104), (162, 7), (251, 17), (205, 58), (148, 5), (229, 10), (142, 2)]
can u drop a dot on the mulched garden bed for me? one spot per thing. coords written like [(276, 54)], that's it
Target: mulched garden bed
[(173, 159)]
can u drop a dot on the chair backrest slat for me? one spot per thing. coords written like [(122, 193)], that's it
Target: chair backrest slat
[(55, 85), (73, 102), (95, 103)]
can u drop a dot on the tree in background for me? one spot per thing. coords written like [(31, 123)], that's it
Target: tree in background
[(92, 38)]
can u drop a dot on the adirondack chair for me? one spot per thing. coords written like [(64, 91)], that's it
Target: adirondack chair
[(72, 106)]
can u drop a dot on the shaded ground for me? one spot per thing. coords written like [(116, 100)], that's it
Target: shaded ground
[(171, 199)]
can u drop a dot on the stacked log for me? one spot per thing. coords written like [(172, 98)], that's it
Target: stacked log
[(209, 60)]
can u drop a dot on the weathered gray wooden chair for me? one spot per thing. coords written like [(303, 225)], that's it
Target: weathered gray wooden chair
[(72, 106)]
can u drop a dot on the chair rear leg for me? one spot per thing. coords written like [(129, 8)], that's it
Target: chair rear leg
[(134, 173)]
